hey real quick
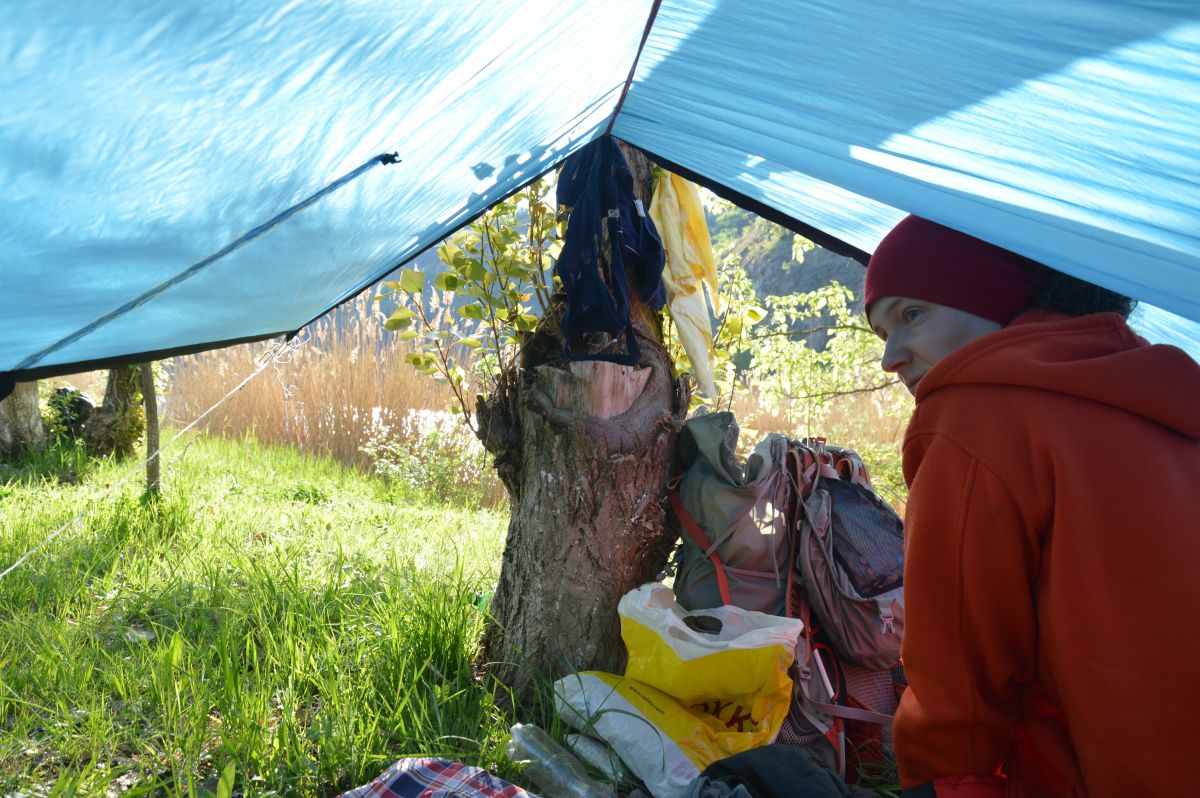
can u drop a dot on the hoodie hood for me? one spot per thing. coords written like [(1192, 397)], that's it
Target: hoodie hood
[(1096, 357)]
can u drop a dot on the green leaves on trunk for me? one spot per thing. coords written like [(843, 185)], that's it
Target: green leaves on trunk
[(466, 322)]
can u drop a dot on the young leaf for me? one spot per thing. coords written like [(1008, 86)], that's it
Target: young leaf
[(401, 319), (411, 280), (473, 270), (733, 326), (504, 237), (447, 281)]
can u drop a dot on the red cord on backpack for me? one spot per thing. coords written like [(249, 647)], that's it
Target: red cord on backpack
[(699, 538)]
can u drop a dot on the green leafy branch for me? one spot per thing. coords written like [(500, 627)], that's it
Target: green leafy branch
[(468, 323)]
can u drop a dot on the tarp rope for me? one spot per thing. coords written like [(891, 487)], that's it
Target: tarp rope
[(198, 266), (283, 348), (633, 68)]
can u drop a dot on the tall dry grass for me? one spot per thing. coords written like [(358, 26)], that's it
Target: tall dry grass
[(345, 379), (872, 424), (853, 419), (348, 380)]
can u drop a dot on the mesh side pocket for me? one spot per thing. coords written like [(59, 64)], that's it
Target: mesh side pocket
[(797, 731), (868, 538), (870, 744)]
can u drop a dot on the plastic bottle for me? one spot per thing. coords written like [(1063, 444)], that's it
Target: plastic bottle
[(555, 770), (597, 754)]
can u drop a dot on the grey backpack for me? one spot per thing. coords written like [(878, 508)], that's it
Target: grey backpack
[(735, 518), (796, 530)]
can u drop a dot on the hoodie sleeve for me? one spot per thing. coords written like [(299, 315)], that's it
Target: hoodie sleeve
[(970, 626)]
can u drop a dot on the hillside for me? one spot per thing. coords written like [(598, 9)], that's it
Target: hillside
[(768, 253)]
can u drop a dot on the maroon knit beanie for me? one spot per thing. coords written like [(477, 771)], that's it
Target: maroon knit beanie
[(920, 259)]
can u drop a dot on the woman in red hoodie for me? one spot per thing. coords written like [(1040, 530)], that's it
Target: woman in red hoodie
[(1052, 639)]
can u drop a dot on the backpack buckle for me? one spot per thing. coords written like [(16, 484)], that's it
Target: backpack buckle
[(886, 617)]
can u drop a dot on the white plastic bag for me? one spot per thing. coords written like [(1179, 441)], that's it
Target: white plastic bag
[(689, 697)]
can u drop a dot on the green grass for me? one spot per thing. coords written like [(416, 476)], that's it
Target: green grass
[(271, 611), (273, 617)]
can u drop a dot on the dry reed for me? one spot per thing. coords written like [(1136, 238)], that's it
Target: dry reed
[(853, 420), (346, 379), (349, 379)]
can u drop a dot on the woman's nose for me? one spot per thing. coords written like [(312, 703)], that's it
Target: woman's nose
[(895, 355)]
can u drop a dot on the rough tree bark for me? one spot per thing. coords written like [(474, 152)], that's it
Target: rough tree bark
[(584, 450), (21, 426), (117, 425)]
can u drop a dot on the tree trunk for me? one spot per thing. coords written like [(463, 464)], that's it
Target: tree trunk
[(150, 402), (585, 452), (21, 426), (116, 427)]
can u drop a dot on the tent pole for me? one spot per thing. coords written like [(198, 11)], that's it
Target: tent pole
[(150, 401)]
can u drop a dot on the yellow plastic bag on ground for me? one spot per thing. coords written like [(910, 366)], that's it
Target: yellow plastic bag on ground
[(689, 697)]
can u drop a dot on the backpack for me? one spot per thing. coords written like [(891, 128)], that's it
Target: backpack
[(850, 555), (848, 590), (736, 539), (844, 554), (608, 231)]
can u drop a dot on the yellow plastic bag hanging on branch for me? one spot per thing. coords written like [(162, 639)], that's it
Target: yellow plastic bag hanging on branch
[(690, 271), (700, 686)]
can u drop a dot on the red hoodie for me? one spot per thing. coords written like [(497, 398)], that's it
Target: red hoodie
[(1051, 587)]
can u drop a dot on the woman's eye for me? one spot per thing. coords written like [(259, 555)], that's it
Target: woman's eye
[(912, 314)]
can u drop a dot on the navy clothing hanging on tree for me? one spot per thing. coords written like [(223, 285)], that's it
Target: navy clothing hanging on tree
[(597, 185)]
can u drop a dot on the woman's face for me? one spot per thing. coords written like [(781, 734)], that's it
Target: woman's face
[(917, 334)]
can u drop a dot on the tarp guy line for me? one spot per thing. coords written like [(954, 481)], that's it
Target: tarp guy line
[(288, 346), (633, 68)]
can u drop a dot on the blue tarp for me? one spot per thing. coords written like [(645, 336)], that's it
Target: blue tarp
[(145, 145)]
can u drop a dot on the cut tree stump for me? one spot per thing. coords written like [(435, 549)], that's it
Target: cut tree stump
[(595, 388)]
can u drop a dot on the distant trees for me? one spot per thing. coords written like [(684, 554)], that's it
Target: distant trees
[(114, 428)]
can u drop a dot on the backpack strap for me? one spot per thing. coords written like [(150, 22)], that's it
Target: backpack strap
[(853, 713), (699, 537), (809, 461)]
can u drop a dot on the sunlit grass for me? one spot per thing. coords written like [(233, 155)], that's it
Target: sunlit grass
[(272, 611)]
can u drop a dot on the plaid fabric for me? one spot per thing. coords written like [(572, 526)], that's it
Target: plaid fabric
[(436, 778)]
